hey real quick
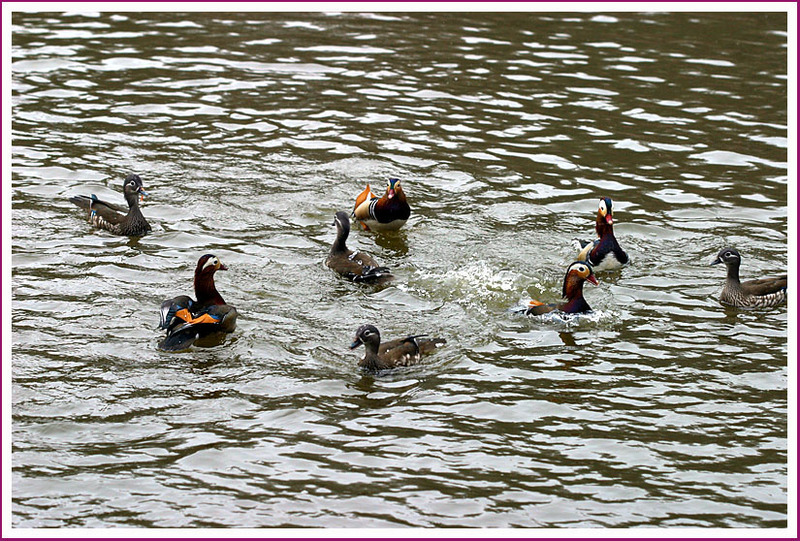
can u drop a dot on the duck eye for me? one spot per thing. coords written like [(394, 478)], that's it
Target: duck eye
[(603, 206)]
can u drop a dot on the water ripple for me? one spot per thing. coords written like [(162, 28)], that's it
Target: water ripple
[(659, 409)]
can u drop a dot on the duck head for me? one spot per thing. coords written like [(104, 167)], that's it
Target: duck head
[(604, 214), (132, 186), (342, 223), (393, 188), (367, 335), (729, 256), (577, 273), (208, 265), (204, 287)]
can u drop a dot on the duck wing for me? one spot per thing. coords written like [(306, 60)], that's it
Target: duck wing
[(171, 307), (536, 308), (365, 196), (409, 348), (764, 286), (358, 267), (426, 345), (218, 318), (110, 212)]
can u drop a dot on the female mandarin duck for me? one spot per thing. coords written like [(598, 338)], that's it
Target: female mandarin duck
[(114, 218), (577, 273), (355, 266), (760, 293), (187, 321), (401, 352), (387, 213), (604, 253)]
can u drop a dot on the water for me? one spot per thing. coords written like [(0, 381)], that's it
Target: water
[(662, 409)]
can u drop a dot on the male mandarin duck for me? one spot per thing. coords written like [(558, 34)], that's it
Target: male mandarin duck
[(187, 321), (759, 293), (114, 218), (604, 253), (572, 290), (401, 352), (387, 213), (355, 266)]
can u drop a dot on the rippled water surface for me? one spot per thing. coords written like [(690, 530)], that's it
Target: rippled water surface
[(661, 409)]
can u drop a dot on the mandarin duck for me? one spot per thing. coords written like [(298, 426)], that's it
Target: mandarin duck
[(759, 293), (401, 352), (115, 218), (355, 266), (187, 321), (387, 213), (572, 290), (604, 253)]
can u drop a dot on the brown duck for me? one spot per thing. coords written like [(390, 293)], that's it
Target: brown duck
[(577, 273), (204, 321), (114, 218), (402, 352), (760, 293), (355, 266)]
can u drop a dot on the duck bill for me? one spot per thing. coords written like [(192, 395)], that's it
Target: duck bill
[(142, 195), (591, 279), (222, 267), (390, 193), (609, 219), (717, 261), (355, 344)]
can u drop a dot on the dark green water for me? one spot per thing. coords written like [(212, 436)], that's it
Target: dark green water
[(250, 130)]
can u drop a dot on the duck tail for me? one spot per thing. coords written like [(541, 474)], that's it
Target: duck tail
[(180, 339), (373, 274)]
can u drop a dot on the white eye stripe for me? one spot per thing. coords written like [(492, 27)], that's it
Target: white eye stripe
[(212, 262)]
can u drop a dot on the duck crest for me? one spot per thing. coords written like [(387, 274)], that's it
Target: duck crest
[(572, 290), (604, 223)]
